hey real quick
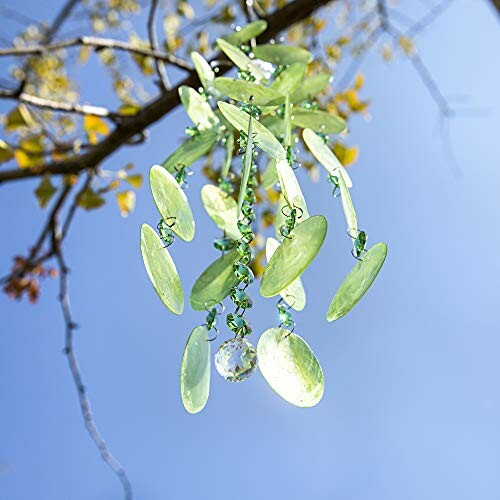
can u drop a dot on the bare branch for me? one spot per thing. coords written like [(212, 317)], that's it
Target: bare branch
[(63, 107), (278, 21), (153, 41), (69, 351), (97, 44)]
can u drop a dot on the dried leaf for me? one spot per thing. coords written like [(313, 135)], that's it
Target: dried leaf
[(90, 200), (45, 191)]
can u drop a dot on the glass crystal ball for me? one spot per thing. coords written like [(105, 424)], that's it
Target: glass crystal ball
[(236, 359)]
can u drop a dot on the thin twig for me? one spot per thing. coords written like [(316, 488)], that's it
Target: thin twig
[(97, 44), (69, 351), (63, 107), (153, 41)]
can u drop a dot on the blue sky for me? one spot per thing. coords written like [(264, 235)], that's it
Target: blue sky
[(411, 405)]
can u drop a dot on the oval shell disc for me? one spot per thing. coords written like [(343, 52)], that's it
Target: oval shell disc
[(293, 256), (222, 209), (195, 371), (215, 283), (161, 270), (290, 367), (172, 202), (294, 294), (357, 282)]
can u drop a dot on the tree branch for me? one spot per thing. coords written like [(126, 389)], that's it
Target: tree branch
[(69, 351), (96, 43), (278, 21), (64, 107), (153, 41)]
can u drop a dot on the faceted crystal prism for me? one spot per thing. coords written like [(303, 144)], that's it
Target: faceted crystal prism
[(236, 359)]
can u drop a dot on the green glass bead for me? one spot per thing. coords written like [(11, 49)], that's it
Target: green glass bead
[(240, 298), (224, 244), (253, 182), (245, 251), (238, 324), (166, 233), (285, 231), (211, 319), (226, 185), (333, 179), (243, 248), (243, 273), (284, 316), (247, 211), (360, 243), (244, 228), (250, 196), (246, 75), (192, 131)]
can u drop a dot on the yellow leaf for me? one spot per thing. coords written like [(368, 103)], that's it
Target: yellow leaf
[(134, 180), (90, 200), (359, 81), (406, 45), (45, 191), (19, 117), (94, 126), (129, 109), (345, 155), (126, 202), (84, 54), (6, 153)]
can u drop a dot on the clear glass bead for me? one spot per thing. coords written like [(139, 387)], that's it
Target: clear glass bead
[(236, 359)]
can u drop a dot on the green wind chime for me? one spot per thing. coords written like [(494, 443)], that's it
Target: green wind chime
[(269, 101)]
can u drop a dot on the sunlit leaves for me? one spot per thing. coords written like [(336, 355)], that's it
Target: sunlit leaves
[(19, 117), (6, 152), (263, 138), (30, 151), (282, 54), (45, 191), (348, 207), (94, 126)]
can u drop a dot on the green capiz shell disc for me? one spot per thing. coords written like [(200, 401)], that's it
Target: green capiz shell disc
[(290, 367), (161, 270), (171, 201), (357, 282), (195, 371), (215, 282), (293, 256)]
